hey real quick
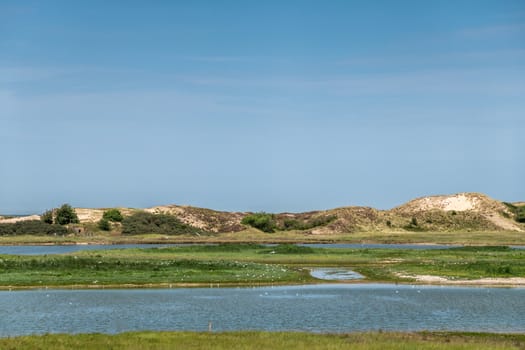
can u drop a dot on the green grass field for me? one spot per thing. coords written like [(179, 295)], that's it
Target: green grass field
[(248, 264), (269, 340)]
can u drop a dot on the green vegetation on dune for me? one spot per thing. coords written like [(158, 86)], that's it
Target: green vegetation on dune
[(438, 220), (464, 218), (143, 222), (113, 215), (269, 340), (261, 221), (109, 216), (517, 210), (61, 216), (270, 223), (31, 227), (51, 223)]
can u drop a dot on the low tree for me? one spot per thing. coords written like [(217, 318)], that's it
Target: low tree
[(66, 215), (520, 214), (113, 215), (262, 221), (104, 224), (47, 216)]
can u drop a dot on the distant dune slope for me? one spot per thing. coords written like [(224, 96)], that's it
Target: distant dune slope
[(457, 212)]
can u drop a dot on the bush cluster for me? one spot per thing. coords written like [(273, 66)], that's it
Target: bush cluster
[(413, 225), (267, 222), (109, 216), (261, 221), (520, 214), (143, 222), (518, 210), (113, 215), (31, 227), (294, 224), (66, 215), (63, 216), (104, 225)]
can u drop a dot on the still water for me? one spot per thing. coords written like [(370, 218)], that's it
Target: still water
[(62, 249), (318, 308)]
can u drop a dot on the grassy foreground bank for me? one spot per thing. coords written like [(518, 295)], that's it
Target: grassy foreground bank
[(244, 264), (269, 340)]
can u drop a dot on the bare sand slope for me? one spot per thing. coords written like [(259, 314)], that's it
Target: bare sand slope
[(19, 218), (491, 209)]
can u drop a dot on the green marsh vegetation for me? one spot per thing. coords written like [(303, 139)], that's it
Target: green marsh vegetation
[(269, 340), (97, 269), (376, 264), (251, 264)]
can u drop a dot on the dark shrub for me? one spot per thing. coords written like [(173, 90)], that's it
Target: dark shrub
[(104, 224), (295, 224), (113, 215), (47, 217), (66, 215), (520, 214), (31, 227), (143, 222), (262, 221)]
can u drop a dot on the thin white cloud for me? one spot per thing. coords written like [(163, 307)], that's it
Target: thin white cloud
[(23, 74), (125, 106), (236, 59), (493, 31), (447, 81), (218, 59), (8, 104), (500, 57)]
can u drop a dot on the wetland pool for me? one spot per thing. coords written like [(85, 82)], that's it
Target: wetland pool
[(316, 308)]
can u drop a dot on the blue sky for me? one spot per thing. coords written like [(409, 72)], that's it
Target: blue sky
[(259, 105)]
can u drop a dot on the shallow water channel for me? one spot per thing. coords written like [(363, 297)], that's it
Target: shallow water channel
[(319, 308), (62, 249), (335, 274)]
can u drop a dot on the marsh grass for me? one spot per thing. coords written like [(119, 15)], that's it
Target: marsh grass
[(375, 264), (96, 269), (256, 237), (250, 264), (269, 340)]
